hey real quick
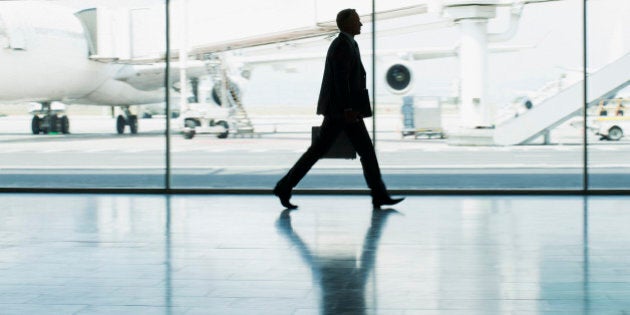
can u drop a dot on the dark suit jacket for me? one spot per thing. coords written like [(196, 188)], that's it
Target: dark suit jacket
[(343, 85)]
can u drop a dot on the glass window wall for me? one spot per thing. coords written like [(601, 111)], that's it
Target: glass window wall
[(247, 117), (607, 120), (464, 96), (492, 96), (81, 105)]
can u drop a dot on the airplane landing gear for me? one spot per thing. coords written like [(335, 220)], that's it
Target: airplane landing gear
[(50, 122), (65, 124), (120, 124), (133, 124), (36, 125), (127, 120)]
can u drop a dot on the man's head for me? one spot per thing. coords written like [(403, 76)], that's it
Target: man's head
[(348, 21)]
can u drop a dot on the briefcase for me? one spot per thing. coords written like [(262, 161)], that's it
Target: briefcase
[(341, 149)]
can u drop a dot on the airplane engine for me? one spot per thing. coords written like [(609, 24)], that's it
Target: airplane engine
[(399, 78)]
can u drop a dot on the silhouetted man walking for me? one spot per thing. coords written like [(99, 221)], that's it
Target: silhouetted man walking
[(344, 102)]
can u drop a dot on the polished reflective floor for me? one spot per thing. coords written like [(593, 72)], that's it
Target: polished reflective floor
[(240, 254)]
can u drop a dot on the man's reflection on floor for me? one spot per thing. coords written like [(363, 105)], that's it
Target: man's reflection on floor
[(342, 280)]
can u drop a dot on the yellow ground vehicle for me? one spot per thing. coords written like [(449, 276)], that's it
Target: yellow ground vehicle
[(612, 119)]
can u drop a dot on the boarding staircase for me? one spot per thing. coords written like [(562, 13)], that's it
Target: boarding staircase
[(556, 109), (240, 119), (240, 123)]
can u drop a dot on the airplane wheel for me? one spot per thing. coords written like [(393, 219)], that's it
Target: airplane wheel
[(65, 125), (189, 134), (54, 124), (36, 125), (120, 124), (615, 133), (133, 124), (224, 134)]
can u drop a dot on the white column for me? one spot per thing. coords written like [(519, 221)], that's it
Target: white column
[(473, 57), (472, 17)]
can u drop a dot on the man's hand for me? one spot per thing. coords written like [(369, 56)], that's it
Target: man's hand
[(351, 116)]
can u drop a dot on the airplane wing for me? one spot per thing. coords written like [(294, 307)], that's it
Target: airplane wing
[(151, 76)]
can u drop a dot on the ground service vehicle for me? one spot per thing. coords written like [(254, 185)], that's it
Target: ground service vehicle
[(612, 119)]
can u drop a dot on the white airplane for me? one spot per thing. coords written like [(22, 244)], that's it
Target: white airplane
[(49, 54)]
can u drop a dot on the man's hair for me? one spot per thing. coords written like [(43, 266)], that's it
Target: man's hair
[(343, 16)]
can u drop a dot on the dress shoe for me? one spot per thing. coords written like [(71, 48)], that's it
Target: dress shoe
[(284, 196), (387, 201)]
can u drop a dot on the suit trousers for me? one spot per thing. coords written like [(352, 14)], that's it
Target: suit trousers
[(360, 139)]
